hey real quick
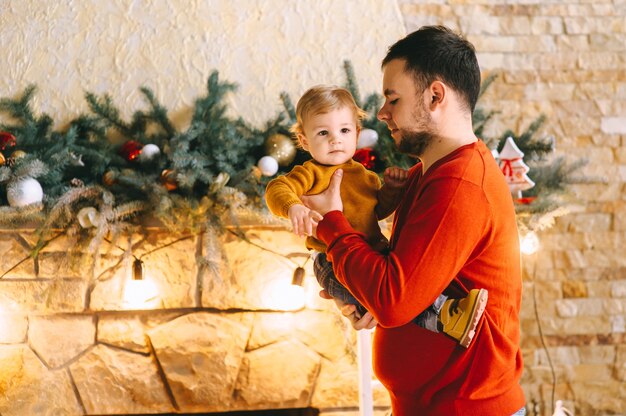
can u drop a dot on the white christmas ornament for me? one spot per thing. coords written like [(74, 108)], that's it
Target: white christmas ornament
[(268, 165), (88, 217), (367, 138), (149, 152), (24, 192)]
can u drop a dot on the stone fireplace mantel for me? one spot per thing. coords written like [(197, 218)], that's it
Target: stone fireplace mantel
[(237, 336)]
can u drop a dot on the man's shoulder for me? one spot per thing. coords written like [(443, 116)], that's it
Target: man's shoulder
[(471, 163)]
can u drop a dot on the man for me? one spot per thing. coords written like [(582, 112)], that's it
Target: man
[(454, 231)]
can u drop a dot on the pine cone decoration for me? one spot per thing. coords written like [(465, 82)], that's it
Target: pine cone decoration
[(77, 183)]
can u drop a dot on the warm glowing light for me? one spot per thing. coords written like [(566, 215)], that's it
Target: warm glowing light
[(282, 295), (529, 244), (140, 292), (8, 309)]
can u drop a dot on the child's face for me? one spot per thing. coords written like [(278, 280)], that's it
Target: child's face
[(331, 137)]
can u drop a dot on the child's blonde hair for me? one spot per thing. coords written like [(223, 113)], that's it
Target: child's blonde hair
[(320, 100)]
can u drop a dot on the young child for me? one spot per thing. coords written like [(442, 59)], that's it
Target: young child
[(328, 123)]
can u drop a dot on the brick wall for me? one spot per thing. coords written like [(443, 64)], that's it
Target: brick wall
[(567, 60)]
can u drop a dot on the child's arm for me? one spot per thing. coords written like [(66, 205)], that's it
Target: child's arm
[(390, 194), (282, 196)]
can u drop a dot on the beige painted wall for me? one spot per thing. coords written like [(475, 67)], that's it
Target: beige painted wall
[(171, 46)]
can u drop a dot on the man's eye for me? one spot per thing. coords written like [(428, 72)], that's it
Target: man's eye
[(393, 102)]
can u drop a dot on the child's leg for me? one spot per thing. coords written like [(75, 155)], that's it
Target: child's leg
[(460, 317), (325, 276), (457, 318), (429, 319)]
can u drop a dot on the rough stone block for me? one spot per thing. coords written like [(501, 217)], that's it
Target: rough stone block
[(326, 333), (271, 379), (112, 381), (336, 386), (201, 355), (541, 25), (48, 336), (618, 289), (13, 327), (44, 296), (123, 332), (574, 289), (27, 387)]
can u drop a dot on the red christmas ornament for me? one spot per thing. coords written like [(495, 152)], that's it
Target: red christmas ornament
[(366, 157), (130, 150), (7, 140)]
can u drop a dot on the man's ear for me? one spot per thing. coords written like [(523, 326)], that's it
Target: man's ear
[(303, 141), (437, 91)]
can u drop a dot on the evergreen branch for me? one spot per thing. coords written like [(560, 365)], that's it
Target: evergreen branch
[(28, 167), (486, 83), (128, 209), (20, 108), (106, 110), (289, 108), (158, 113), (351, 84), (5, 174)]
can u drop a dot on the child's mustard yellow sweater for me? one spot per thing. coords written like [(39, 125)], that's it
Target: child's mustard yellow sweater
[(365, 200)]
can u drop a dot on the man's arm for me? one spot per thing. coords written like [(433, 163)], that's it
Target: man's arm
[(436, 238)]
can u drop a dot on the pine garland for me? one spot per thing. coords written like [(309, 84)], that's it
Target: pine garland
[(212, 164)]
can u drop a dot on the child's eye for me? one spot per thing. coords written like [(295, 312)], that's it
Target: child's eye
[(322, 132), (345, 130)]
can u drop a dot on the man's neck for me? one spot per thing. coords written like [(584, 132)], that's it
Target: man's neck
[(444, 144)]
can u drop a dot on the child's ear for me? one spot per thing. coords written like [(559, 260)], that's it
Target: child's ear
[(303, 141)]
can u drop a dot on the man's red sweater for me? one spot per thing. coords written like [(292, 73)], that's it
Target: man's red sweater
[(454, 231)]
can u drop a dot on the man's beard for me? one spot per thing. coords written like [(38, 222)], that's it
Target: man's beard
[(414, 143)]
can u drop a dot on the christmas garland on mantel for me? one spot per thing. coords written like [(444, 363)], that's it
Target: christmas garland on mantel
[(101, 175)]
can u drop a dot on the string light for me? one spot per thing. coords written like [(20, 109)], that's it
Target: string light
[(140, 292), (137, 269), (284, 295), (529, 243), (298, 276)]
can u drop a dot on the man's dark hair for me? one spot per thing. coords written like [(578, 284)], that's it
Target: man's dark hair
[(434, 53)]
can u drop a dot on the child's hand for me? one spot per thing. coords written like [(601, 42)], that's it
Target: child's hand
[(303, 220), (395, 177)]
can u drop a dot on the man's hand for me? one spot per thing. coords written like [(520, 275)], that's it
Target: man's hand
[(329, 200), (395, 177), (366, 321)]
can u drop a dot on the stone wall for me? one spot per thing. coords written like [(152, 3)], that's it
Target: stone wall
[(565, 59), (72, 342)]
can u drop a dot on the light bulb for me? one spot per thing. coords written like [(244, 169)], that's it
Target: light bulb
[(140, 292), (529, 244), (283, 295)]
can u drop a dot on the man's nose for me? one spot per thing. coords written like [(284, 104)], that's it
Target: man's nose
[(383, 114)]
